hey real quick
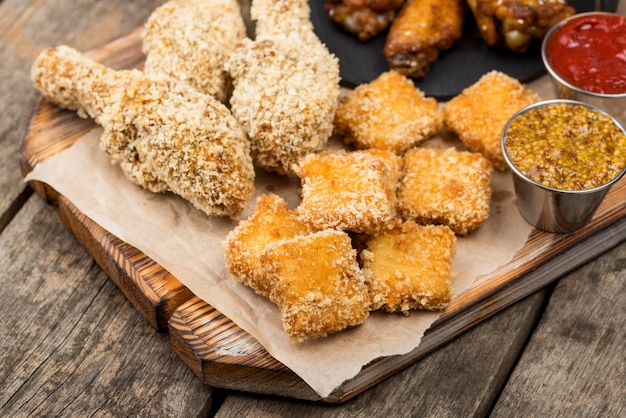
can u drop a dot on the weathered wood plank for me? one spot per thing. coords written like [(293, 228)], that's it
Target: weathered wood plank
[(460, 379), (70, 342), (544, 258), (574, 364)]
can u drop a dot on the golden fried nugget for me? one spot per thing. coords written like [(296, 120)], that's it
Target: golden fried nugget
[(410, 267), (515, 24), (190, 41), (347, 190), (389, 113), (446, 187), (271, 222), (479, 113), (318, 286), (421, 31), (164, 134)]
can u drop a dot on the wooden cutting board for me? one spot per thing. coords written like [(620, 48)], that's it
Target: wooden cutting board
[(216, 349)]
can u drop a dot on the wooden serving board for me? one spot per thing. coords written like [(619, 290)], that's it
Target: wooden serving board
[(216, 349)]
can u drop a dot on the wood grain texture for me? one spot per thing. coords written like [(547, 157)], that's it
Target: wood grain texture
[(153, 290), (461, 379), (543, 259), (70, 342), (574, 363)]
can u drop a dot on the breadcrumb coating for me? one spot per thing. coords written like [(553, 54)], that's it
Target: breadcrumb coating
[(446, 187), (285, 86), (352, 191), (271, 222), (318, 285), (190, 41), (410, 267), (165, 135), (389, 113), (479, 113)]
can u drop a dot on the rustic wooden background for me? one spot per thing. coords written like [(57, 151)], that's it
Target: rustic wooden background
[(72, 345)]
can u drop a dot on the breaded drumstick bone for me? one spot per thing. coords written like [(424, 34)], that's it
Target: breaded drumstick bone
[(165, 135), (190, 40), (286, 85)]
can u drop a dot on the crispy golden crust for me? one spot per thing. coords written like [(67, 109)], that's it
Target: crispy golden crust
[(271, 222), (515, 24), (286, 86), (190, 41), (479, 113), (422, 29), (410, 267), (364, 18), (353, 191), (446, 187), (389, 113), (318, 285), (203, 156)]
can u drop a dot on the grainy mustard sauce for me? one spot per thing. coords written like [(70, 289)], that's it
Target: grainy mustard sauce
[(566, 146)]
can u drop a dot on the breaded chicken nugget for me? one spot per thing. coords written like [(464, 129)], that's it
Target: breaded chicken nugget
[(318, 286), (410, 267), (421, 31), (353, 191), (165, 135), (286, 85), (389, 113), (446, 187), (479, 113), (271, 222), (190, 41)]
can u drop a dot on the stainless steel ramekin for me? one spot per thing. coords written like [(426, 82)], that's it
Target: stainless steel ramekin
[(614, 104), (550, 209)]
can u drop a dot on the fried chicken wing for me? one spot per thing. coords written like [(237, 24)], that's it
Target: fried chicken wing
[(421, 31), (364, 18), (285, 85), (515, 24), (190, 40), (164, 134)]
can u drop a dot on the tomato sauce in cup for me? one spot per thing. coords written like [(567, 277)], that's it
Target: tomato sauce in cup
[(589, 52)]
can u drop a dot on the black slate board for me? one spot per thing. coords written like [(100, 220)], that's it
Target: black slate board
[(455, 69)]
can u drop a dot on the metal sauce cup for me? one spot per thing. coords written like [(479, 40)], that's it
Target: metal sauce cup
[(551, 209), (615, 104)]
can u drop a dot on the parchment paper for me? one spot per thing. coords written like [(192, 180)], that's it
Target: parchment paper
[(189, 245)]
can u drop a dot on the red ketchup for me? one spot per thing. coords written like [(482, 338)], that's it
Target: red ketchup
[(589, 52)]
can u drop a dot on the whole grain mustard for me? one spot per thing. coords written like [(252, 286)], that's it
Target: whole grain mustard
[(566, 146)]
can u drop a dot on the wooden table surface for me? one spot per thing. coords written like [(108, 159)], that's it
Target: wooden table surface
[(72, 345)]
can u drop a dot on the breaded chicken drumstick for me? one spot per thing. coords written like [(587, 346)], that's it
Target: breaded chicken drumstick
[(190, 40), (286, 85), (165, 135)]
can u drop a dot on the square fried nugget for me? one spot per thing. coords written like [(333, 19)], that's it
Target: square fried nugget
[(271, 221), (479, 113), (389, 113), (410, 267), (318, 285), (352, 191), (446, 187)]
